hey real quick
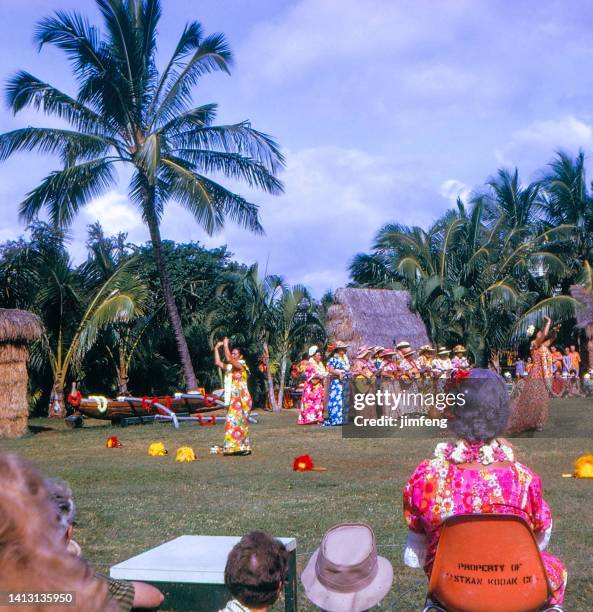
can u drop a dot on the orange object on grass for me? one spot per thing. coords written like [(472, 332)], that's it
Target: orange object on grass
[(112, 442)]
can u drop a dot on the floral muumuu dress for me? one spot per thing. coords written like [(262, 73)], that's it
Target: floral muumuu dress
[(439, 489), (236, 427), (336, 397)]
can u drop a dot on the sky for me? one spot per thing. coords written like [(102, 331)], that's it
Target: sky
[(386, 111)]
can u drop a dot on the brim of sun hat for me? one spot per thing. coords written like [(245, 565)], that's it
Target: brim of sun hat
[(357, 601)]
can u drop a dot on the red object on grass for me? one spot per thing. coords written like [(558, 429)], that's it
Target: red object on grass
[(113, 442), (303, 463)]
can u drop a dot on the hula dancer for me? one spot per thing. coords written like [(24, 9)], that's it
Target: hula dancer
[(338, 367), (238, 399)]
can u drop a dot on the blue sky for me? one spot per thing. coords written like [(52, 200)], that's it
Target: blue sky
[(386, 111)]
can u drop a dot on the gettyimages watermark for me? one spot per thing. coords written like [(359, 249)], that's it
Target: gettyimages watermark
[(383, 413), (429, 413)]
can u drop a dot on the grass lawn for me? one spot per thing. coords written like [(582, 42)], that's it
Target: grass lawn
[(128, 501)]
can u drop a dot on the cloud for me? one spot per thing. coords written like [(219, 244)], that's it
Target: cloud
[(534, 145), (451, 189), (114, 212)]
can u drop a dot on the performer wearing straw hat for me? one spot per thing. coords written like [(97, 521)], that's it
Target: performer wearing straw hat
[(311, 410), (338, 367), (459, 361)]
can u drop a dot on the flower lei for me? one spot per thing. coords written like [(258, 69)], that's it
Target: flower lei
[(469, 452)]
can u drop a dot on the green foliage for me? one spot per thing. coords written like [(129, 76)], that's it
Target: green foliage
[(480, 275)]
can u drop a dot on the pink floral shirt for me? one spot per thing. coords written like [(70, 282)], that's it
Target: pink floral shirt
[(439, 489)]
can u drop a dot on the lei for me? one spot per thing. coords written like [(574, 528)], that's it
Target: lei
[(485, 453)]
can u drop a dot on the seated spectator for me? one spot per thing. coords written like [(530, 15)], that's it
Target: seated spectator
[(31, 558), (558, 384), (255, 573), (478, 474), (573, 386), (345, 574), (127, 594)]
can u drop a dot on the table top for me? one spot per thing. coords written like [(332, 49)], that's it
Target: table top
[(186, 559)]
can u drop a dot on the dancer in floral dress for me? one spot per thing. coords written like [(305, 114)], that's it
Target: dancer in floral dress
[(529, 409), (476, 475), (311, 410), (338, 368), (238, 399)]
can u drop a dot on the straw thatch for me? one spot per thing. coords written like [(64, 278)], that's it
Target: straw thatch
[(17, 327), (374, 317)]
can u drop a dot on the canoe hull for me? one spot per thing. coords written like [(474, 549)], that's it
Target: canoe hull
[(122, 409)]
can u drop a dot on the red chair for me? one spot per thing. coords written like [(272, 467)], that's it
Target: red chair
[(488, 563)]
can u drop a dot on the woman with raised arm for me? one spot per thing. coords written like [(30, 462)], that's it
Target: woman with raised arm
[(529, 409), (236, 397)]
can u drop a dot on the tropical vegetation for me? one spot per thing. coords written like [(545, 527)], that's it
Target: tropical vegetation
[(481, 274)]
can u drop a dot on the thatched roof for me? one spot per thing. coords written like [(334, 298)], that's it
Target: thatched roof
[(374, 317), (18, 326), (584, 313)]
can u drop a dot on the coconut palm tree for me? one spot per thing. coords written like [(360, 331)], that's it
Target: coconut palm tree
[(476, 276), (295, 322), (127, 112)]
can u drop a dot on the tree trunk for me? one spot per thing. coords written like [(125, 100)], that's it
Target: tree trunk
[(280, 402), (122, 383), (57, 404), (269, 378), (191, 382)]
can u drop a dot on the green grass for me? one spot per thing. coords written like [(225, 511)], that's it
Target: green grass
[(129, 502)]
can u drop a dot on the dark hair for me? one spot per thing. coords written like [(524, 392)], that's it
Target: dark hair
[(486, 408), (256, 568)]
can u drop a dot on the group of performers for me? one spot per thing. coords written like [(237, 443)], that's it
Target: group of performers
[(326, 386), (394, 369)]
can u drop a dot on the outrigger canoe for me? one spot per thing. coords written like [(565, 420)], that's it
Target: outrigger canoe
[(98, 407)]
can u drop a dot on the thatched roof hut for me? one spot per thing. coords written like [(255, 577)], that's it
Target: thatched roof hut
[(17, 328), (374, 317)]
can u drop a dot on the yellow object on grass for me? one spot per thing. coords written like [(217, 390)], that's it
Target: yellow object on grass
[(185, 453), (583, 467), (157, 449)]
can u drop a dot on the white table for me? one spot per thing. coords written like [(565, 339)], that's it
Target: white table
[(190, 571)]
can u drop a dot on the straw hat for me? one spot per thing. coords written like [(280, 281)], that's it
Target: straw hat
[(338, 344), (345, 574), (459, 348), (443, 350), (402, 345), (313, 350), (362, 351), (407, 351), (388, 352), (376, 349)]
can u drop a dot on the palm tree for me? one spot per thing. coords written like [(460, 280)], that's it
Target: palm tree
[(295, 322), (568, 201), (477, 276), (127, 112)]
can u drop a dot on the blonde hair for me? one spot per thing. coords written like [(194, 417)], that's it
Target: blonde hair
[(33, 553)]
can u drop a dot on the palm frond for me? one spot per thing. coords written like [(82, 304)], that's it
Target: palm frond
[(63, 192)]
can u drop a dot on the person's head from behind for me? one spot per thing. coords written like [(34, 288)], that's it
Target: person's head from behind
[(482, 408), (31, 550), (256, 570), (60, 495), (573, 348)]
